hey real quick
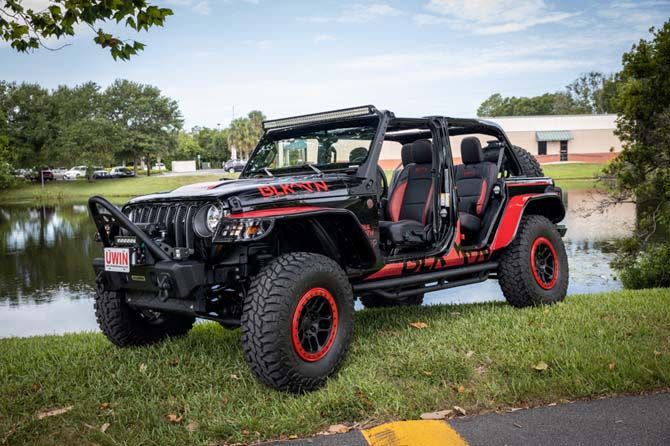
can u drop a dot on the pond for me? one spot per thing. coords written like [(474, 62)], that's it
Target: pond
[(46, 252)]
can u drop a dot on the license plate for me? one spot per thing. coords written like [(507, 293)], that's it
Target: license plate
[(117, 260)]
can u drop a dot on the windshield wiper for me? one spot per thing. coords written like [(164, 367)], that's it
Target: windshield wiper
[(267, 172), (313, 167)]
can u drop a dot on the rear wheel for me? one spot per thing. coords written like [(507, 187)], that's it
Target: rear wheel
[(534, 267), (374, 301), (297, 321), (530, 167), (125, 326)]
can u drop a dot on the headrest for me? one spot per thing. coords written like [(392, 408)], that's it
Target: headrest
[(471, 150), (422, 151), (358, 155), (406, 154)]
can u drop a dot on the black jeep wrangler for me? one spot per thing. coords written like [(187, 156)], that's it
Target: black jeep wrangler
[(313, 223)]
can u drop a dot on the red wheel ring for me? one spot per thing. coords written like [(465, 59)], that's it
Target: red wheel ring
[(544, 263), (314, 324)]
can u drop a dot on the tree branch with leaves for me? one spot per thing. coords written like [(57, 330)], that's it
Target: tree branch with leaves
[(26, 29)]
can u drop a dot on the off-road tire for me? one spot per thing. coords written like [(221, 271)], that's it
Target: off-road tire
[(374, 301), (515, 271), (530, 167), (125, 326), (269, 312)]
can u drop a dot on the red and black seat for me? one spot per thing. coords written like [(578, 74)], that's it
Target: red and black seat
[(410, 197), (474, 181)]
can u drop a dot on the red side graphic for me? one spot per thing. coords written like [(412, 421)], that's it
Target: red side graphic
[(275, 212)]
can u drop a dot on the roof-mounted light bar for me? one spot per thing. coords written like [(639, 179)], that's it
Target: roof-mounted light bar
[(319, 117)]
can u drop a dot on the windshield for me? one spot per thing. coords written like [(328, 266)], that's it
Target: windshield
[(320, 150)]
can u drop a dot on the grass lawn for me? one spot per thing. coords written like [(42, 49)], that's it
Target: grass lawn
[(81, 190), (480, 357)]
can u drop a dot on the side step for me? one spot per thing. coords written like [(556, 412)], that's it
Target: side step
[(448, 278)]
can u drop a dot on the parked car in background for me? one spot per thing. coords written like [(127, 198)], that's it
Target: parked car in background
[(37, 175), (121, 172), (101, 174), (59, 173), (75, 172), (159, 167), (234, 166)]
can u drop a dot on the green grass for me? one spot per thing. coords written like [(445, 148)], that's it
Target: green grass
[(116, 188), (575, 176), (594, 345)]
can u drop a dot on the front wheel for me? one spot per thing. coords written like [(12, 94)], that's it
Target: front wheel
[(297, 321), (533, 269), (125, 326)]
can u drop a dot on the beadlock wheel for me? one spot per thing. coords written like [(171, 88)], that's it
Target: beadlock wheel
[(297, 321), (314, 327), (544, 263), (533, 269)]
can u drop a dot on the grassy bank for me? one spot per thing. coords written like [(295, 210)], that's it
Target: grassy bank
[(575, 176), (479, 357)]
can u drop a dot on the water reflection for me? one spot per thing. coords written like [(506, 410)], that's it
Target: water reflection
[(46, 279), (46, 254)]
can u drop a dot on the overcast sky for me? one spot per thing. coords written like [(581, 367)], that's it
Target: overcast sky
[(412, 57)]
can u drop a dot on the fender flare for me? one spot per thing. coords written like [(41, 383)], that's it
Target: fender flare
[(548, 204), (344, 217)]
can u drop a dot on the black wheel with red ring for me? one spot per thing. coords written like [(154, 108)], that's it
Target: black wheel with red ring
[(544, 263), (533, 269), (297, 321), (314, 326)]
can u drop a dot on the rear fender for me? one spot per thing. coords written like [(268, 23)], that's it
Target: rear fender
[(547, 204)]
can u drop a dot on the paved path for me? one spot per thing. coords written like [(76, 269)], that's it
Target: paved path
[(621, 421)]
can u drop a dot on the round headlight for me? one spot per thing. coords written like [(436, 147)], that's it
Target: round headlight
[(214, 214)]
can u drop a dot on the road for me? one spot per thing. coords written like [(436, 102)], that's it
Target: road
[(620, 421)]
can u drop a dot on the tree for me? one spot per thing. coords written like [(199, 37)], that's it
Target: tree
[(559, 103), (6, 178), (594, 91), (26, 29), (83, 133), (148, 122), (29, 119), (642, 170), (213, 144), (244, 133)]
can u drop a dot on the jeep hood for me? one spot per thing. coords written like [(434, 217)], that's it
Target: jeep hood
[(252, 190)]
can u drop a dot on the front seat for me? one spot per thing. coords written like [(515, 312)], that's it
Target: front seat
[(474, 181), (410, 198)]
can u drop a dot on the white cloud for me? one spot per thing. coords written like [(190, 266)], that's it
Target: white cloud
[(260, 44), (198, 6), (490, 16), (357, 13), (319, 38)]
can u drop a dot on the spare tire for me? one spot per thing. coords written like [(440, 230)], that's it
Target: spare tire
[(530, 167)]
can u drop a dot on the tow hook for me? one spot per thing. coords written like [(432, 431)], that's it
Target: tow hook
[(164, 285)]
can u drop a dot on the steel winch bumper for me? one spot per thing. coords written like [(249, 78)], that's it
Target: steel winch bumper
[(159, 273)]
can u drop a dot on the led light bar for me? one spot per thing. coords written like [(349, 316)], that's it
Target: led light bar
[(319, 117)]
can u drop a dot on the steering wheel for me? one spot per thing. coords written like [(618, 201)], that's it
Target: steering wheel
[(384, 182)]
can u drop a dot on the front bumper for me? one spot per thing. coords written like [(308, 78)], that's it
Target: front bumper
[(159, 273), (174, 279)]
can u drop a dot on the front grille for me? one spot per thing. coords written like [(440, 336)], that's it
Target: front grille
[(175, 219)]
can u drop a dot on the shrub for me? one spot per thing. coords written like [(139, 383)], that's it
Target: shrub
[(648, 268)]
